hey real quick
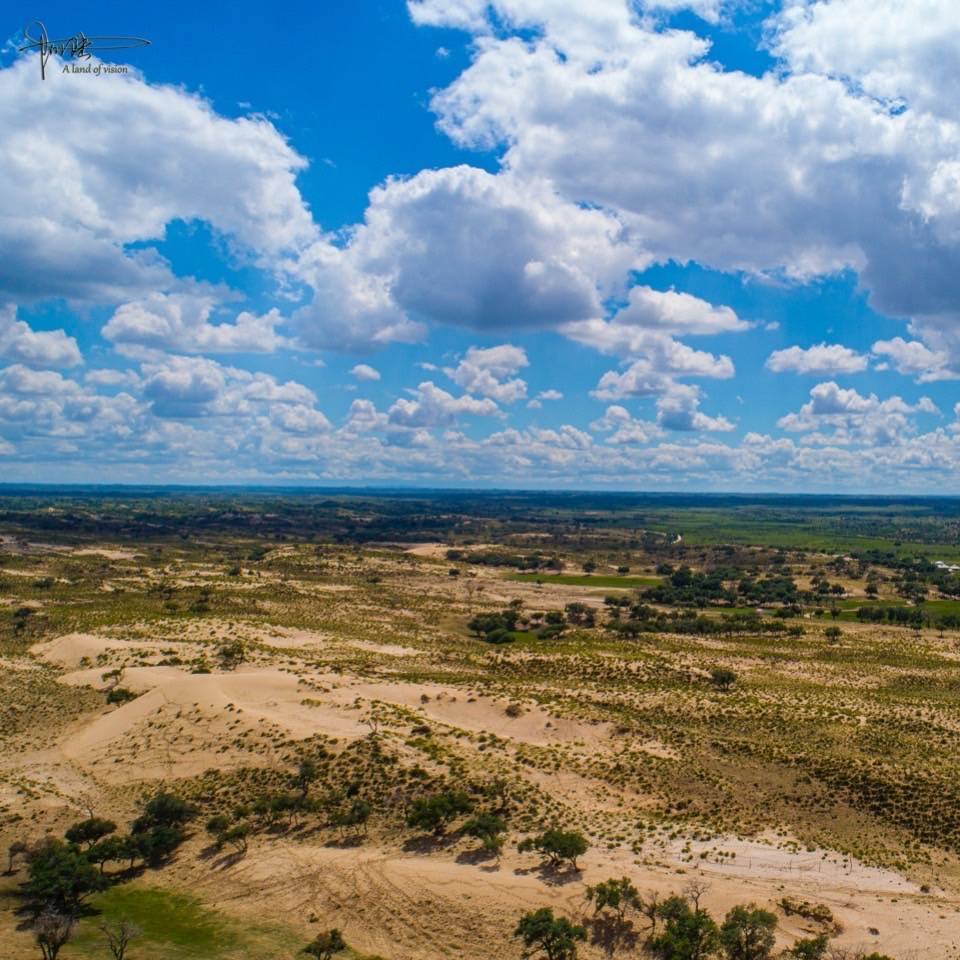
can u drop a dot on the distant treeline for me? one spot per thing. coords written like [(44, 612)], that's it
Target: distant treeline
[(907, 616)]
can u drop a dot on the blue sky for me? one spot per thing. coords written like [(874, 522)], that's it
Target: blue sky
[(692, 244)]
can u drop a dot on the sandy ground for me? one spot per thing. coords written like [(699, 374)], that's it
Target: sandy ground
[(390, 900), (412, 906), (111, 553)]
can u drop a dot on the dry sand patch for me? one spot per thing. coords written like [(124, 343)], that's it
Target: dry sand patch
[(111, 553), (428, 907), (67, 651), (480, 714)]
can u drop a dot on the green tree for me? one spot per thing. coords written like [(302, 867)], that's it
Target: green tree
[(555, 938), (617, 895), (232, 654), (434, 813), (107, 849), (557, 846), (356, 815), (307, 774), (60, 877), (157, 844), (810, 948), (89, 831), (688, 933), (160, 829), (164, 809), (748, 933)]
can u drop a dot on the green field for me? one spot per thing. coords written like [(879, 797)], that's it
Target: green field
[(586, 580), (178, 927)]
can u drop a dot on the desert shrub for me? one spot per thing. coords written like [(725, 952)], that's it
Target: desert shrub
[(326, 945), (120, 695)]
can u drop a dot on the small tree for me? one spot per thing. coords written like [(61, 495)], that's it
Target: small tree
[(748, 933), (557, 846), (307, 773), (237, 836), (650, 907), (326, 945), (118, 936), (216, 827), (52, 930), (833, 634), (356, 815), (555, 938), (695, 891), (616, 895)]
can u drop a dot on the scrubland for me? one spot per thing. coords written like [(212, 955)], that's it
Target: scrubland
[(340, 711)]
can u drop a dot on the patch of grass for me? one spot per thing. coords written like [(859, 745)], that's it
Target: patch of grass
[(178, 927), (586, 580)]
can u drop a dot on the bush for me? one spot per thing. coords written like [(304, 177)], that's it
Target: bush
[(120, 695), (722, 678)]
